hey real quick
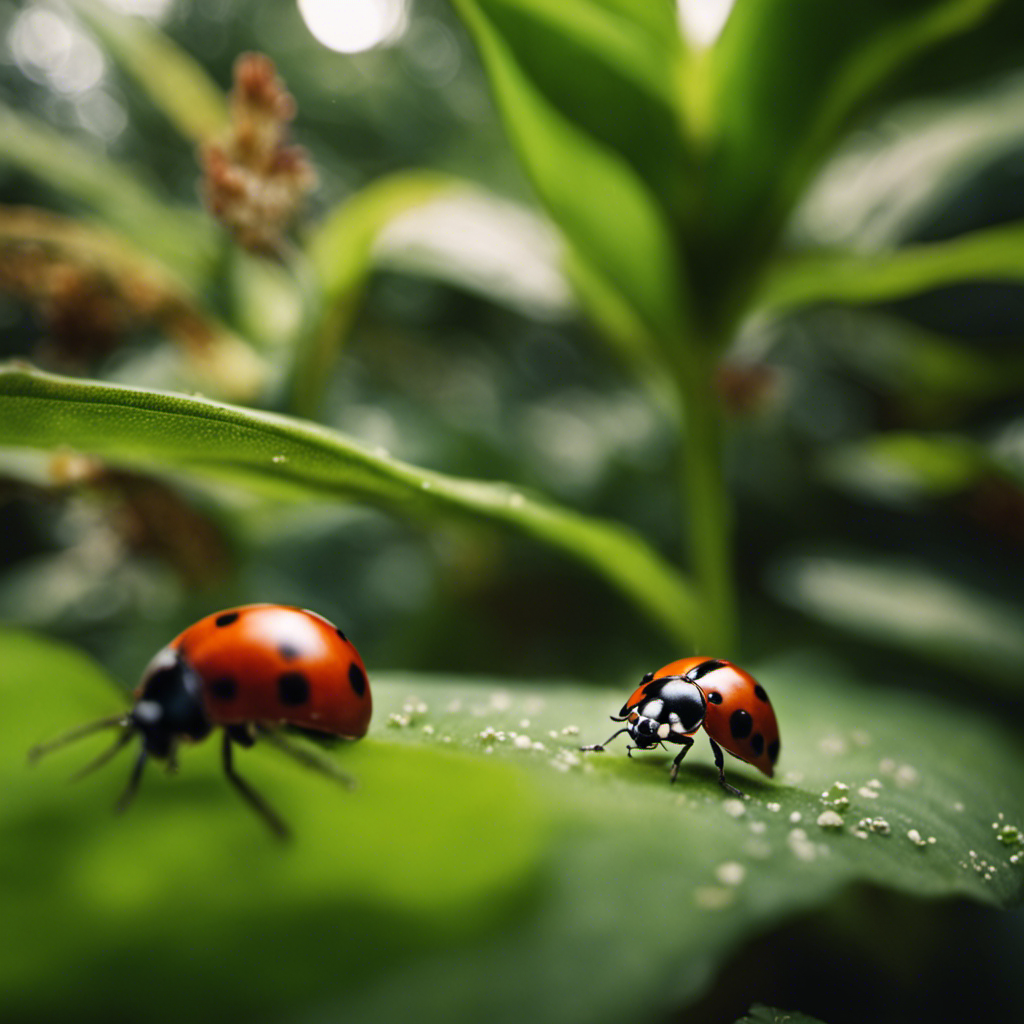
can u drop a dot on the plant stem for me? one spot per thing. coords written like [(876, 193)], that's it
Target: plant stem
[(705, 499)]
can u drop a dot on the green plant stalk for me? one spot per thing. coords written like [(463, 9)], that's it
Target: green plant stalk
[(314, 349), (707, 507)]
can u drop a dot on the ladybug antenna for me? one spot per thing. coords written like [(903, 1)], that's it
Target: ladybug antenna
[(121, 721), (115, 748)]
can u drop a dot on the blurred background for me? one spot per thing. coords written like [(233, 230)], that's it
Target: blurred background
[(875, 453), (874, 448)]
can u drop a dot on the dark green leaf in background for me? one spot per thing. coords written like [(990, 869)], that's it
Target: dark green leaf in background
[(790, 77), (605, 208)]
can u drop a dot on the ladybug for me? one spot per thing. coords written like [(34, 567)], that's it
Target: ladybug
[(248, 671), (670, 705)]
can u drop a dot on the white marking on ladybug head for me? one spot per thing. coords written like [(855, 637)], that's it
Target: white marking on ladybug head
[(653, 709), (663, 730), (146, 712), (164, 659)]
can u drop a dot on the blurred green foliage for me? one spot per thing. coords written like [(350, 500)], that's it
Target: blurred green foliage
[(751, 383)]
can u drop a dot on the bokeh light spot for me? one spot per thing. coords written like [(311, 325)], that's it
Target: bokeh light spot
[(352, 26)]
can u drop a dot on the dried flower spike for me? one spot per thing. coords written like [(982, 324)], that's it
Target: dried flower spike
[(253, 182)]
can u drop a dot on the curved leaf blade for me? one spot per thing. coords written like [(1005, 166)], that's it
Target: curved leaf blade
[(991, 254), (790, 76), (606, 210), (284, 456)]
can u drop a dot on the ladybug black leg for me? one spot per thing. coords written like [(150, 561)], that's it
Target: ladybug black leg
[(687, 742), (600, 746), (720, 765), (309, 757), (133, 782), (249, 795)]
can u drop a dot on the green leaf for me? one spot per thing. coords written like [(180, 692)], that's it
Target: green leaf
[(341, 255), (890, 179), (598, 160), (789, 79), (904, 468), (178, 237), (175, 83), (189, 866), (287, 457), (905, 604), (482, 861), (607, 67), (991, 254)]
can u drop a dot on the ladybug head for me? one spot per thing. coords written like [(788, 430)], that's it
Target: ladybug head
[(671, 707), (644, 732), (169, 704)]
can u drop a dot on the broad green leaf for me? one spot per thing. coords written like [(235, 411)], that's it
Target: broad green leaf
[(178, 237), (483, 861), (175, 83), (189, 869), (288, 457), (790, 77), (589, 183), (606, 67), (907, 605), (992, 254)]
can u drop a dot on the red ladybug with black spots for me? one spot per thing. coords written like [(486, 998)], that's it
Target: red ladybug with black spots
[(249, 671), (670, 705)]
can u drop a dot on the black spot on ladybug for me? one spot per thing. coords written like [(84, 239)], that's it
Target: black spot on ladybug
[(224, 688), (226, 619), (714, 697), (288, 651), (647, 678), (740, 724), (357, 679), (757, 743), (292, 688), (773, 751), (342, 635), (760, 694), (701, 670)]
